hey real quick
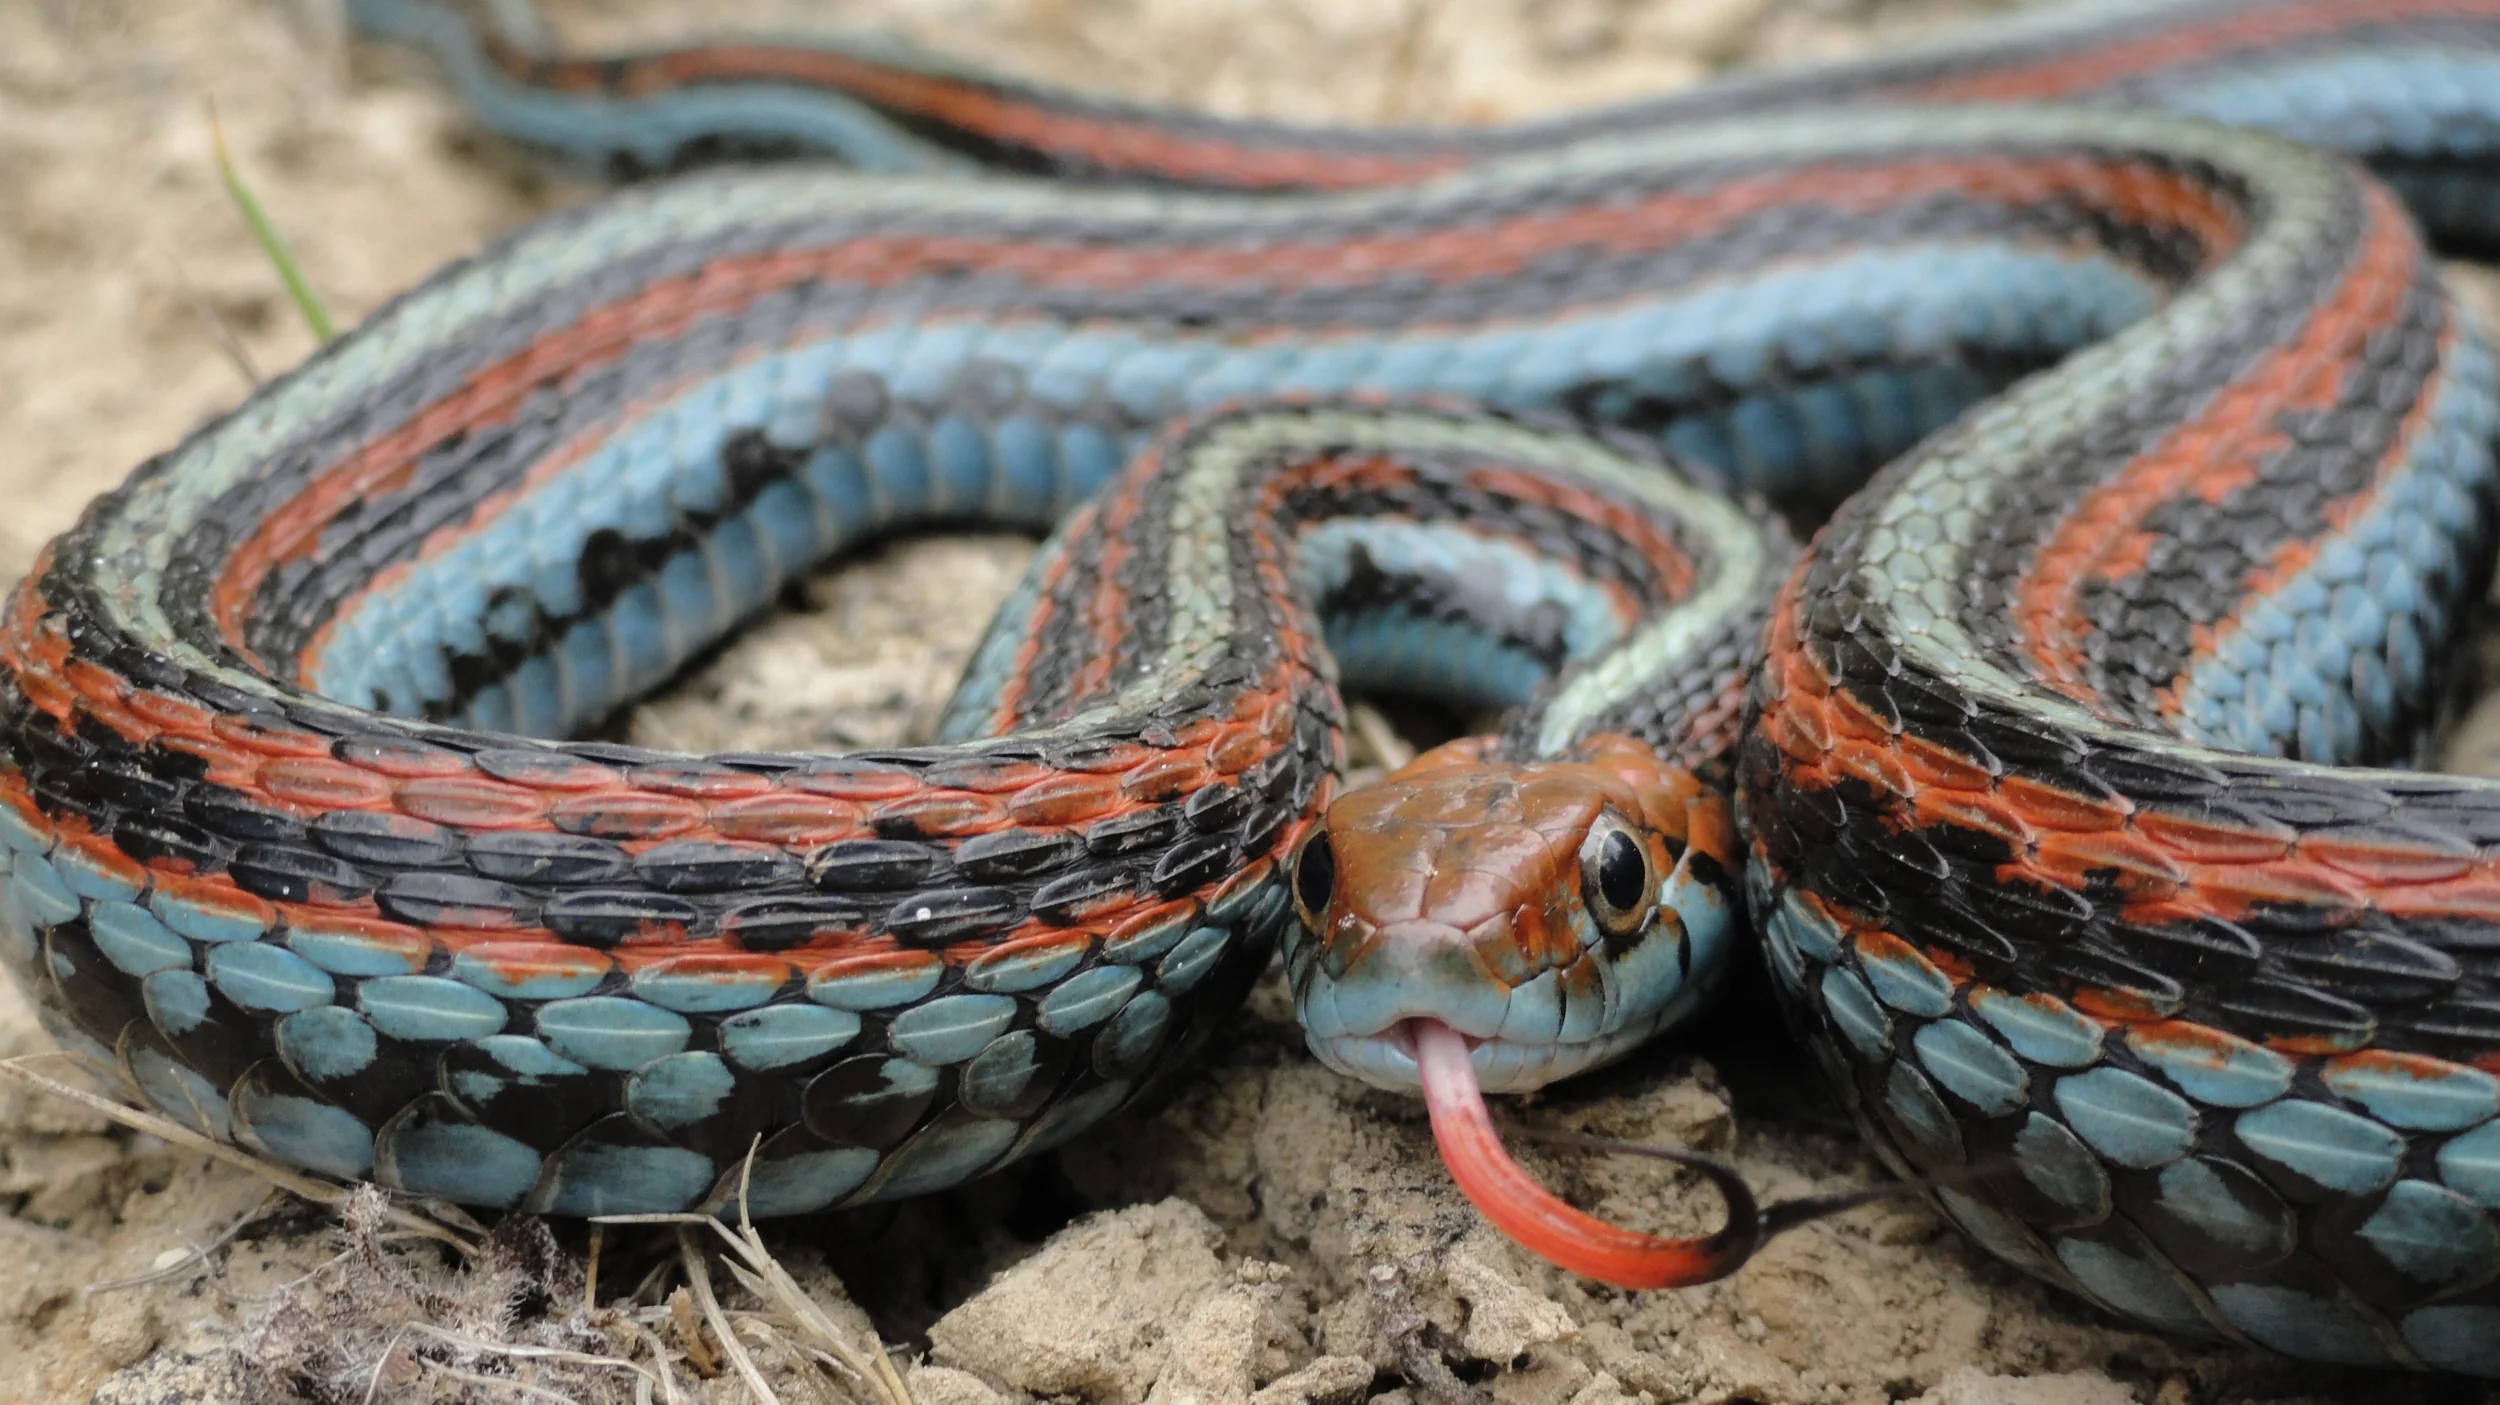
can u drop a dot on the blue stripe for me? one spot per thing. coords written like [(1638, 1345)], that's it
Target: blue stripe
[(2331, 656), (1742, 334)]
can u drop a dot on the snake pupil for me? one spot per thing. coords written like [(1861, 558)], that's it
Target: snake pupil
[(1621, 874), (1315, 877)]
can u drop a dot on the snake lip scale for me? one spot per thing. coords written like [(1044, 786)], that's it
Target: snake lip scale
[(2059, 781)]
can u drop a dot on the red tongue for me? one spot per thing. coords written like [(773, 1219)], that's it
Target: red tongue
[(1540, 1221)]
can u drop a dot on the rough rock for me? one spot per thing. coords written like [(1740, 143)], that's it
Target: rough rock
[(175, 1378), (1504, 1317), (1328, 1380), (1968, 1385), (943, 1385), (1603, 1389), (1214, 1353), (1093, 1313)]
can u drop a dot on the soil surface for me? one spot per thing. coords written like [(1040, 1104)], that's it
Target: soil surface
[(1273, 1233)]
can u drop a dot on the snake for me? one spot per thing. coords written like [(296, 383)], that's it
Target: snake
[(2067, 781)]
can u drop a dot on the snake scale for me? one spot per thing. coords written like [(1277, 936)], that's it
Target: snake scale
[(2060, 777)]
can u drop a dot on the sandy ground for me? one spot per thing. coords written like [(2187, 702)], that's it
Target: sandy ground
[(1273, 1234)]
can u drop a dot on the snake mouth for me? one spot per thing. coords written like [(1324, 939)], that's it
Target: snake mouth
[(1388, 1058), (1520, 1035)]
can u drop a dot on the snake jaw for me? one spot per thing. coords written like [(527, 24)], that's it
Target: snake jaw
[(1520, 1037), (1387, 1060)]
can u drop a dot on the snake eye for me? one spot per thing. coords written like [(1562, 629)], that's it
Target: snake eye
[(1615, 880), (1314, 879)]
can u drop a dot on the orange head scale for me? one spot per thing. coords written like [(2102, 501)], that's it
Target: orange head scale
[(1554, 912)]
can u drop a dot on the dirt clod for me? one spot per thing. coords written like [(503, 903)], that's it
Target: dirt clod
[(1968, 1385), (943, 1385), (1505, 1318), (1325, 1380), (1096, 1311)]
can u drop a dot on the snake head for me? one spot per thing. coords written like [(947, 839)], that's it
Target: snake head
[(1554, 912)]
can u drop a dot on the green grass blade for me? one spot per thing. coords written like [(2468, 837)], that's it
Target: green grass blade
[(273, 245)]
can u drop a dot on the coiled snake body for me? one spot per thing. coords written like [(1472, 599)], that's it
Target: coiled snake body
[(2043, 774)]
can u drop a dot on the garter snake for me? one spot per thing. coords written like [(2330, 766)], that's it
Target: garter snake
[(2054, 776)]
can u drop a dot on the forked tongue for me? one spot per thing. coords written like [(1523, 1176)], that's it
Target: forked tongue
[(1568, 1238)]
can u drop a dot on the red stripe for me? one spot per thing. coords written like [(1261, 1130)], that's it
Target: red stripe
[(2105, 537), (2137, 195), (2164, 867)]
